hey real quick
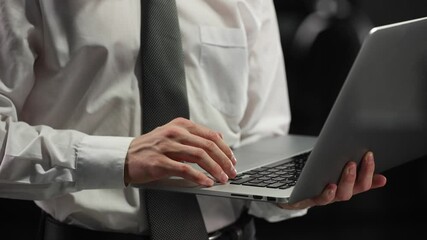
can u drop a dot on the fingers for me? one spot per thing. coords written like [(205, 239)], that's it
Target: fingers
[(144, 164), (203, 159), (208, 134), (367, 178), (378, 181), (187, 172), (160, 153), (346, 183), (202, 146), (206, 152), (161, 166), (351, 183), (326, 197), (366, 173)]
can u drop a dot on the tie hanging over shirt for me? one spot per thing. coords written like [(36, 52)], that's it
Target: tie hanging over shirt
[(163, 98)]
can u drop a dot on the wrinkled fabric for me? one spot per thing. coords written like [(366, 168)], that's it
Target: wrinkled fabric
[(69, 99)]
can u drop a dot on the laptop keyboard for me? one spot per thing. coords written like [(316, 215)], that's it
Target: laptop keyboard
[(279, 175)]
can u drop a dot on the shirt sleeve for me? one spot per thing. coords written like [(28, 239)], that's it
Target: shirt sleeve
[(39, 162), (268, 111)]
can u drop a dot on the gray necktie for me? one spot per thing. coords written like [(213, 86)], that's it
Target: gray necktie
[(164, 97)]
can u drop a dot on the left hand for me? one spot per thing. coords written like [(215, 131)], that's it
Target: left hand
[(352, 182)]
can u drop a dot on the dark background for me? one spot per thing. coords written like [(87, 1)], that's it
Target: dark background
[(317, 63), (316, 70)]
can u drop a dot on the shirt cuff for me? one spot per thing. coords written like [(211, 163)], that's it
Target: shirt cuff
[(272, 213), (100, 162)]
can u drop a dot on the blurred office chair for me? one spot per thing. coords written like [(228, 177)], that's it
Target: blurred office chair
[(319, 54)]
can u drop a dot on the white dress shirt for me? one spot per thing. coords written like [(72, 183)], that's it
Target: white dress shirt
[(69, 100)]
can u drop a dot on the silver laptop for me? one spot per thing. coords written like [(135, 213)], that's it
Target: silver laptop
[(381, 107)]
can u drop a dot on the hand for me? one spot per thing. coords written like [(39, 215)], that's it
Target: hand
[(350, 184), (162, 152)]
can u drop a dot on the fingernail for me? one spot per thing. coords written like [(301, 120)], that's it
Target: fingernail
[(234, 171), (370, 157), (209, 182), (351, 170), (224, 177), (233, 158), (331, 190)]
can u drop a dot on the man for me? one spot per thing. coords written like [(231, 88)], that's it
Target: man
[(71, 115)]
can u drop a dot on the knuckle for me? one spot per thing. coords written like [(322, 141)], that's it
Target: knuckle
[(349, 179), (172, 132), (184, 169), (210, 145), (213, 135), (199, 154), (162, 145), (343, 197), (181, 121), (365, 186), (199, 176)]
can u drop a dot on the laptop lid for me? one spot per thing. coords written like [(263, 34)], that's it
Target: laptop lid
[(381, 107)]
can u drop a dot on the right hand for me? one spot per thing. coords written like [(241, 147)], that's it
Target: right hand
[(163, 152)]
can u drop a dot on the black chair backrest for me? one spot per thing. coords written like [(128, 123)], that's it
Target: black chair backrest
[(319, 50)]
